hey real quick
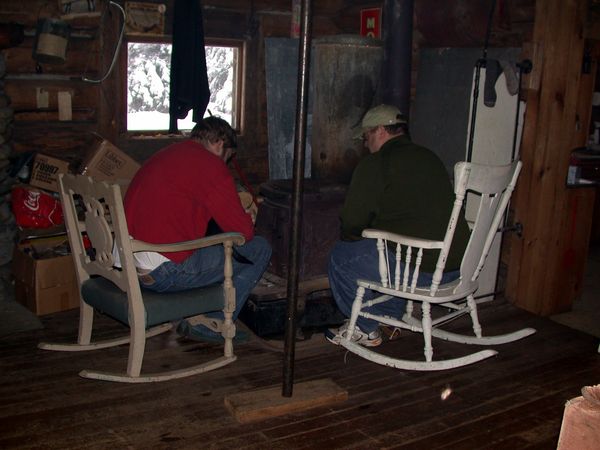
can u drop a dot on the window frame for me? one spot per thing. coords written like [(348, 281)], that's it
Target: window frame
[(238, 85)]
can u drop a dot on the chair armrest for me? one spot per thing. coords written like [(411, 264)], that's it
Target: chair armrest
[(401, 239), (141, 246)]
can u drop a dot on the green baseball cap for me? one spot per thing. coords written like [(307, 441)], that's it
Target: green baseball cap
[(379, 115)]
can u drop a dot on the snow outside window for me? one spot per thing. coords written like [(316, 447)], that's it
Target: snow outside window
[(148, 68)]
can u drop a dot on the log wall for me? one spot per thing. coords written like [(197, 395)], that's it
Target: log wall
[(99, 109)]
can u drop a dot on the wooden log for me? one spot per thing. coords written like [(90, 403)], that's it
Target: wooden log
[(79, 115), (78, 61), (67, 138), (24, 94)]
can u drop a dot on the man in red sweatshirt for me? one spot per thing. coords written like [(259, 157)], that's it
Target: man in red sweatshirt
[(173, 198)]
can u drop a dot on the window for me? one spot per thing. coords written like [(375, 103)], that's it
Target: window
[(148, 71)]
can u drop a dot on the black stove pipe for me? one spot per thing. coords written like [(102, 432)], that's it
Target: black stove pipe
[(397, 54), (297, 193)]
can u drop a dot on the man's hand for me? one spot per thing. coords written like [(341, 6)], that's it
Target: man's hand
[(249, 205)]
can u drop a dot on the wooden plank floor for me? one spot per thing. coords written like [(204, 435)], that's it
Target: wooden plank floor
[(513, 400)]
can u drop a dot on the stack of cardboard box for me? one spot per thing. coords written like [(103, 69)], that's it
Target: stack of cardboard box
[(104, 163), (43, 269)]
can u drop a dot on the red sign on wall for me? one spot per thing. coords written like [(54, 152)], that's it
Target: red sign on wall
[(370, 22)]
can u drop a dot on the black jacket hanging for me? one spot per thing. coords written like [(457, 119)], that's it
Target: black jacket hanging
[(189, 81)]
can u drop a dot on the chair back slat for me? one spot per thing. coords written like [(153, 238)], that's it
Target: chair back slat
[(383, 262), (416, 270), (407, 267), (493, 185), (405, 280), (397, 271), (95, 209)]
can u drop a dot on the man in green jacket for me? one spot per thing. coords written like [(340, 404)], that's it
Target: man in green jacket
[(399, 187)]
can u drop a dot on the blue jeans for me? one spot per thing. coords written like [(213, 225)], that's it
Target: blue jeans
[(350, 261), (205, 267)]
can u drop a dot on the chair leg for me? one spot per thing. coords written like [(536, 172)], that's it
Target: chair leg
[(426, 326), (86, 321), (228, 333), (137, 346), (356, 307), (474, 317)]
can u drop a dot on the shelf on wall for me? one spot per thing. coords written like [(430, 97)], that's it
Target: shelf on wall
[(74, 34), (45, 77), (74, 17)]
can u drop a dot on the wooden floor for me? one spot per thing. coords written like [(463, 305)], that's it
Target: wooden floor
[(514, 400)]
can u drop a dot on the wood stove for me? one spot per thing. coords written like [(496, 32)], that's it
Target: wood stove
[(320, 224), (265, 310)]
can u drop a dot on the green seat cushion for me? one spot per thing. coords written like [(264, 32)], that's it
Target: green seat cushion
[(107, 298)]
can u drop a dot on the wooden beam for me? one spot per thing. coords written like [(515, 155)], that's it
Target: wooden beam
[(541, 276), (262, 404)]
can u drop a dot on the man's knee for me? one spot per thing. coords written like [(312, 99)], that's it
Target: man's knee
[(258, 251), (262, 248)]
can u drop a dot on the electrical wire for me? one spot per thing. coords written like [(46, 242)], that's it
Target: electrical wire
[(116, 53), (480, 63)]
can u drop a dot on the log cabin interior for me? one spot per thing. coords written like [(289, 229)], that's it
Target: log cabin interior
[(550, 239)]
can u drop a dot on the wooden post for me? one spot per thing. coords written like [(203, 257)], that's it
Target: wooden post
[(546, 264)]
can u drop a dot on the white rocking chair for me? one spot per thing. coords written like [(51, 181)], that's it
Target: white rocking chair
[(95, 210), (493, 185)]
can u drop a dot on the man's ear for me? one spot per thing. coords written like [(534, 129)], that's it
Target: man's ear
[(221, 146), (216, 148)]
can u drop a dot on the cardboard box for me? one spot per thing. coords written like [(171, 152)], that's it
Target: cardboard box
[(45, 170), (107, 163), (44, 282)]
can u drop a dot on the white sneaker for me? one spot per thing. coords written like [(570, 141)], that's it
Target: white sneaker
[(372, 339)]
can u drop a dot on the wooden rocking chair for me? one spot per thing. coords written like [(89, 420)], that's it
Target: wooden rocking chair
[(493, 186), (95, 221)]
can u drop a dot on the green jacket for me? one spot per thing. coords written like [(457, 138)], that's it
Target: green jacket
[(404, 188)]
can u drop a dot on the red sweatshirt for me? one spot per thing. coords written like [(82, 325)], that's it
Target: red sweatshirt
[(175, 194)]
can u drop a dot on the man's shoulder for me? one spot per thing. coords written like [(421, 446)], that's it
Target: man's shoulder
[(187, 146), (404, 142), (405, 148), (369, 163), (190, 153)]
